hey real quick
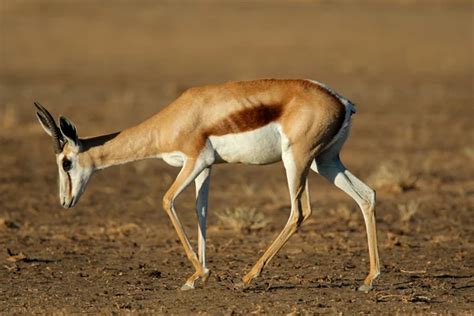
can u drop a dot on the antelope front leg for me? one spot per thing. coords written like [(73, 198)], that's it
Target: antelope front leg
[(202, 194), (188, 173), (296, 172)]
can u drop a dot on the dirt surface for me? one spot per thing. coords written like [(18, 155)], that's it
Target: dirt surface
[(407, 65)]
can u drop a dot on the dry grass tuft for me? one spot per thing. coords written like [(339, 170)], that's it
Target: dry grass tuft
[(346, 214), (242, 219), (393, 176), (408, 210), (116, 230), (343, 212)]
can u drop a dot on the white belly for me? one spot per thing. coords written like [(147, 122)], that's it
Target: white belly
[(259, 146)]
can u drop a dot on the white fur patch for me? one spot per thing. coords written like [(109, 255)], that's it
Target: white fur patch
[(260, 146), (174, 158)]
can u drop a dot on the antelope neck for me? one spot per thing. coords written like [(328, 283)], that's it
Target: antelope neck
[(121, 147)]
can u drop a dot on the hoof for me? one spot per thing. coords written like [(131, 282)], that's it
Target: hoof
[(248, 278), (187, 287), (364, 288), (206, 276)]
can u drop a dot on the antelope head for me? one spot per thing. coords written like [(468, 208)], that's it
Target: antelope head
[(74, 169)]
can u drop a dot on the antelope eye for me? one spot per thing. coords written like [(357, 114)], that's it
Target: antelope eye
[(67, 164)]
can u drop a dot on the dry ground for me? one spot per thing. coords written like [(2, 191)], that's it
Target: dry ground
[(408, 66)]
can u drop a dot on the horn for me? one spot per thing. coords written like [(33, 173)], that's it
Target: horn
[(58, 139)]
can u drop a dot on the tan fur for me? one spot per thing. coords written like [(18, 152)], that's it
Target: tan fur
[(308, 114)]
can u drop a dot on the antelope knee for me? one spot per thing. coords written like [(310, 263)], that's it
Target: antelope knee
[(369, 202), (167, 203)]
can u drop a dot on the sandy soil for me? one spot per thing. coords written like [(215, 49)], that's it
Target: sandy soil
[(407, 65)]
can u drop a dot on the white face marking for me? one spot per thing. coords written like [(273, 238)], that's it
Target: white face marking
[(72, 182), (259, 146)]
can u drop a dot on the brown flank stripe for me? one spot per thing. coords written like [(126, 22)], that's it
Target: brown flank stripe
[(246, 120)]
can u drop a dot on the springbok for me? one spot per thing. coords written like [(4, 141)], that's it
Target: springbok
[(301, 122)]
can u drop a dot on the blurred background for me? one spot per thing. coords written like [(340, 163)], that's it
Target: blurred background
[(408, 65), (104, 61)]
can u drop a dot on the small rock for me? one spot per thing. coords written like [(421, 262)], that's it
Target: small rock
[(155, 274)]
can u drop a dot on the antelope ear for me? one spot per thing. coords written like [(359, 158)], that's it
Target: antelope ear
[(68, 130)]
